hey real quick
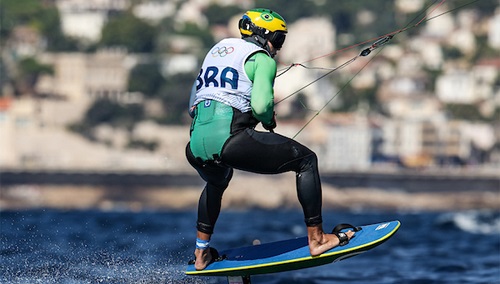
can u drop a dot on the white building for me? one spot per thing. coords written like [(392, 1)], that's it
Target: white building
[(84, 25), (179, 63), (7, 141), (24, 41), (442, 26), (191, 12), (464, 40), (306, 39), (84, 19), (402, 138), (31, 138), (446, 139), (80, 76), (456, 87), (415, 107), (154, 11), (429, 50), (348, 144), (467, 87), (81, 5), (409, 6), (494, 30)]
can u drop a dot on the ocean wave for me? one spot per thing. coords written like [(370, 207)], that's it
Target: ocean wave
[(484, 222)]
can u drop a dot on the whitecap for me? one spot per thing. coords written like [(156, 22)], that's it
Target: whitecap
[(483, 222)]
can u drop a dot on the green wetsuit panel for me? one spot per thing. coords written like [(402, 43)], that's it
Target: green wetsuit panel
[(212, 122), (211, 128)]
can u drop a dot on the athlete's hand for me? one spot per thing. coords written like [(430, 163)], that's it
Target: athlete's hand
[(272, 125)]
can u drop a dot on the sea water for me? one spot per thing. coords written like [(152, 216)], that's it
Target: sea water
[(52, 246)]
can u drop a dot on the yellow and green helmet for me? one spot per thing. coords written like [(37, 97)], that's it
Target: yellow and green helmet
[(265, 23)]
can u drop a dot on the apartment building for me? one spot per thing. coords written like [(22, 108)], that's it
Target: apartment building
[(84, 19), (447, 141), (80, 76), (347, 143)]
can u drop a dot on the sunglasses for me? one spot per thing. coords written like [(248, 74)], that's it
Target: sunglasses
[(277, 39)]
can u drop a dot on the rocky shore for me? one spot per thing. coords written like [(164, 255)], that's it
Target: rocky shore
[(245, 191)]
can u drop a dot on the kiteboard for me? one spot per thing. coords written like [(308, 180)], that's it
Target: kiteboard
[(239, 264)]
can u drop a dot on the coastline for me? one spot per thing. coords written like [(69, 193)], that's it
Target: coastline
[(245, 191)]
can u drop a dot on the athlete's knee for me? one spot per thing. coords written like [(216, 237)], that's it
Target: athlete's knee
[(309, 162), (220, 181)]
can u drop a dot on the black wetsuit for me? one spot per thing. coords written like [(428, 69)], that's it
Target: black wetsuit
[(223, 136), (258, 152)]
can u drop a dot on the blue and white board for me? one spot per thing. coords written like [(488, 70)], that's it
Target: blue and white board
[(292, 254)]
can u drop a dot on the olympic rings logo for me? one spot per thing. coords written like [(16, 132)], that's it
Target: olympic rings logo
[(222, 51)]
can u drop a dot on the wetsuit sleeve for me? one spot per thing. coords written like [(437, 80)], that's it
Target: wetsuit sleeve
[(261, 69)]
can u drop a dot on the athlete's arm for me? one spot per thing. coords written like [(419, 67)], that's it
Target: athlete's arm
[(261, 69)]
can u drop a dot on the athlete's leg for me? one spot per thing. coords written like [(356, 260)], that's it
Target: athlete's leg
[(271, 153), (217, 179)]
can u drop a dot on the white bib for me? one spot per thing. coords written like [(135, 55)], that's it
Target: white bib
[(222, 76)]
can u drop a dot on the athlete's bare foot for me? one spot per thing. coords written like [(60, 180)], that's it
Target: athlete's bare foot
[(319, 241), (203, 258)]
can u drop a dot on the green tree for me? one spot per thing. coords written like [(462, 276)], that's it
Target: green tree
[(192, 29), (4, 79), (464, 111), (452, 53), (146, 78), (220, 15), (29, 71), (129, 31), (486, 8), (14, 13), (143, 144), (43, 18), (291, 13), (50, 26), (348, 97), (175, 98), (117, 115), (105, 111)]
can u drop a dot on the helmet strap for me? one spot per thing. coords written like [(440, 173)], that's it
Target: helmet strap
[(260, 41)]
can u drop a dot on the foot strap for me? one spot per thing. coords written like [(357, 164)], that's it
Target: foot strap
[(343, 238)]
